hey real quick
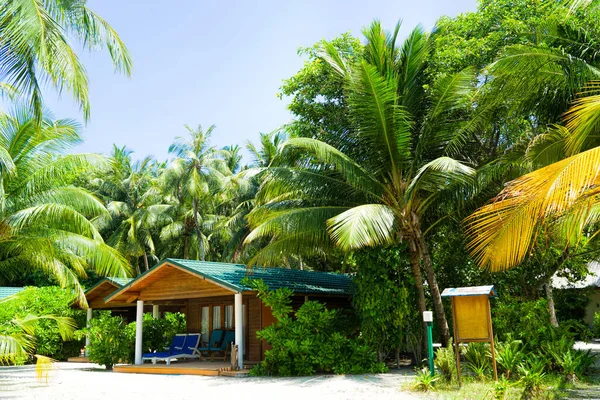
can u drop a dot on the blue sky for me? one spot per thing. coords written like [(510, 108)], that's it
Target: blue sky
[(215, 62)]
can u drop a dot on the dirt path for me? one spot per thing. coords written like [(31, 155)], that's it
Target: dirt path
[(88, 382)]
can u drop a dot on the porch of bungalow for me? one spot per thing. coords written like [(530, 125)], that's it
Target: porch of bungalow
[(212, 296)]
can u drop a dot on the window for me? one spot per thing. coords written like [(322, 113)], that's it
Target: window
[(216, 324), (204, 323), (229, 322)]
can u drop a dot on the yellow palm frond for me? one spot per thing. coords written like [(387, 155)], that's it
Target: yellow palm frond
[(502, 232)]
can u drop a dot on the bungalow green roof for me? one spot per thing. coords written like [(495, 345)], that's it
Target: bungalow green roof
[(231, 276), (119, 282), (6, 291)]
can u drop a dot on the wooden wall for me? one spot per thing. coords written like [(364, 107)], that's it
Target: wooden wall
[(178, 284), (253, 308)]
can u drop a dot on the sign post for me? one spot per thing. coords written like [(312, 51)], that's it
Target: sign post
[(428, 319), (472, 318)]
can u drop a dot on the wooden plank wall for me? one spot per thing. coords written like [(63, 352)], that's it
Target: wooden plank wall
[(253, 308), (181, 285)]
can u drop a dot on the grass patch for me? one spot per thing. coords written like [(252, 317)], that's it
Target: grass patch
[(553, 387)]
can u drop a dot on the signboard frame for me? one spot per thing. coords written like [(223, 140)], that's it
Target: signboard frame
[(472, 316)]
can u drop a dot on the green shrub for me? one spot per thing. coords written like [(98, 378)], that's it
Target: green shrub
[(508, 357), (51, 300), (110, 341), (532, 377), (501, 388), (477, 356), (424, 381), (157, 332), (574, 329), (382, 296), (573, 364), (445, 362), (528, 321), (309, 342)]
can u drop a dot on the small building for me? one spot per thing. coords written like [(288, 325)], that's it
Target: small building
[(7, 291), (213, 296), (590, 283)]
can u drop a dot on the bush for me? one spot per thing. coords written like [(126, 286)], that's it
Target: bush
[(110, 342), (50, 300), (477, 356), (424, 381), (508, 357), (157, 333), (528, 321), (382, 296), (445, 362), (309, 342)]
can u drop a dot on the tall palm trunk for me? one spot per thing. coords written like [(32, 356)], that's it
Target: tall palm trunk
[(146, 261), (198, 230), (415, 264), (438, 306), (550, 298)]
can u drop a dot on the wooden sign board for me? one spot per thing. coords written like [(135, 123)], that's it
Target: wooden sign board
[(472, 318), (472, 315)]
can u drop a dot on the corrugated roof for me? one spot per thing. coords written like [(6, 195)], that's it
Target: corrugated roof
[(231, 276), (6, 291), (119, 282), (470, 291)]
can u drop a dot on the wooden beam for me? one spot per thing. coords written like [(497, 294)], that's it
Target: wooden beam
[(133, 297)]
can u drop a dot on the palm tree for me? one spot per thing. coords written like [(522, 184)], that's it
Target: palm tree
[(17, 339), (240, 193), (560, 198), (45, 223), (192, 179), (35, 47), (394, 172), (134, 204)]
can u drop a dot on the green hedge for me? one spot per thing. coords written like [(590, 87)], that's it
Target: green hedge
[(50, 300)]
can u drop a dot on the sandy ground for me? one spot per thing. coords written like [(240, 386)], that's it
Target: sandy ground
[(90, 382)]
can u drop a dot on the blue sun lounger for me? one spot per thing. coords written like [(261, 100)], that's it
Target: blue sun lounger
[(175, 347), (188, 350), (224, 345)]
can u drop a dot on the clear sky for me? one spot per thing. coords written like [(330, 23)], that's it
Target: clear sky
[(216, 62)]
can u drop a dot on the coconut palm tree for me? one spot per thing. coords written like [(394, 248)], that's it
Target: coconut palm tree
[(191, 181), (560, 198), (17, 339), (45, 222), (134, 205), (35, 47), (394, 172)]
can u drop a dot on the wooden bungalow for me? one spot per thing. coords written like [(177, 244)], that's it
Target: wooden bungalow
[(213, 296), (7, 291)]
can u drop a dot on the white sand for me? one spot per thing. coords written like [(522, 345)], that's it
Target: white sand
[(89, 382)]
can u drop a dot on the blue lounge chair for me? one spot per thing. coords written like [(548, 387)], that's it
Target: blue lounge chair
[(175, 347), (216, 337), (188, 350), (224, 346)]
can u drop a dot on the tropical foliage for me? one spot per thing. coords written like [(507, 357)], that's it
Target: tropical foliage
[(460, 157)]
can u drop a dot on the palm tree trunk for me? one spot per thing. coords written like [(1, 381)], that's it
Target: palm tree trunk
[(438, 306), (186, 246), (415, 265), (146, 261), (198, 230), (550, 298)]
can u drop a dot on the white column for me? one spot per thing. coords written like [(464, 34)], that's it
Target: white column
[(155, 311), (87, 338), (139, 319), (239, 328)]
